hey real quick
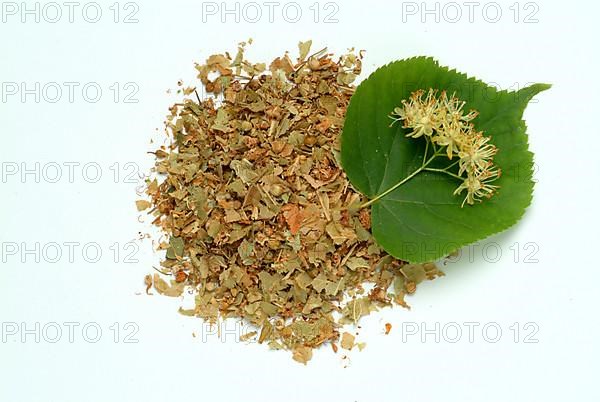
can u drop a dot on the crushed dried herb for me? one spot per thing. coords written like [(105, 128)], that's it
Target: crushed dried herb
[(261, 217)]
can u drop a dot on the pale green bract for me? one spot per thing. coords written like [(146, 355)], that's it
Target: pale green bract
[(422, 220)]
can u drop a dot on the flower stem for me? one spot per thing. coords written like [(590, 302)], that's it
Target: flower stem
[(454, 164), (444, 171), (395, 186)]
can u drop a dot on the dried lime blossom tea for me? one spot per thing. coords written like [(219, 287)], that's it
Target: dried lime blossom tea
[(265, 225), (262, 222)]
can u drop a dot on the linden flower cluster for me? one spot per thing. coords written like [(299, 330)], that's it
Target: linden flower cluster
[(449, 131)]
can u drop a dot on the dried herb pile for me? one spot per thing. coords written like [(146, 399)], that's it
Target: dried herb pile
[(262, 221)]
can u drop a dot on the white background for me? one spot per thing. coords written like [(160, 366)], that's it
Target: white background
[(557, 294)]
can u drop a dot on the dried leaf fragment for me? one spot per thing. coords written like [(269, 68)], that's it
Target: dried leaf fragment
[(302, 354), (347, 341), (142, 205), (163, 288)]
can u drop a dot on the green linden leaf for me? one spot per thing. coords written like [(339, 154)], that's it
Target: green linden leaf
[(422, 220)]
